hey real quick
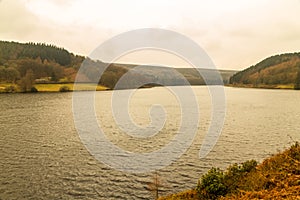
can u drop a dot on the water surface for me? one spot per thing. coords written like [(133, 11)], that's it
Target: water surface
[(42, 156)]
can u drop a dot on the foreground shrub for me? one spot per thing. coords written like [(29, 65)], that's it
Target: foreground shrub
[(295, 151), (212, 185), (235, 175), (249, 166), (217, 183)]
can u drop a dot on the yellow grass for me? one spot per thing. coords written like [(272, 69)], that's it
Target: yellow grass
[(290, 86), (79, 87), (55, 87), (4, 85)]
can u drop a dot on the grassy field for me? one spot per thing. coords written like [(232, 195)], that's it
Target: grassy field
[(79, 87), (3, 86), (56, 87), (289, 86)]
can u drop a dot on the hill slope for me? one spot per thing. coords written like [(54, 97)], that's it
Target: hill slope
[(277, 177), (273, 72), (50, 64)]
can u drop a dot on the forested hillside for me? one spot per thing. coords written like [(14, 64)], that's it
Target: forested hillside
[(40, 60), (276, 71), (32, 63)]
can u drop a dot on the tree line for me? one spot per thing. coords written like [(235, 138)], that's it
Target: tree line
[(14, 51)]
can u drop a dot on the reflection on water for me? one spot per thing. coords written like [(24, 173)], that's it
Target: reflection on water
[(43, 158)]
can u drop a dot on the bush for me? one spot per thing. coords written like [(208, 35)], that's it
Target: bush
[(212, 185), (217, 183), (249, 166), (64, 88), (294, 152), (234, 176), (34, 90)]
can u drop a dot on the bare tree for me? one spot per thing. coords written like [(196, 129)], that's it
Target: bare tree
[(155, 185), (26, 83)]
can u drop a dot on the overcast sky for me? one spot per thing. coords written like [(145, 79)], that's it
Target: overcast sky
[(234, 33)]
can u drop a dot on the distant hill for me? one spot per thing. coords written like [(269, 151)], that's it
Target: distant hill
[(279, 71), (48, 63), (150, 74)]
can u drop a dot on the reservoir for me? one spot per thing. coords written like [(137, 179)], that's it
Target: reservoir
[(42, 156)]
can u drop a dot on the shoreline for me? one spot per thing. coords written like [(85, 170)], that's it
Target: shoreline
[(82, 87), (54, 87), (275, 87)]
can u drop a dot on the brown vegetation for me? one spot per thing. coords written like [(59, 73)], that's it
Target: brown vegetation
[(270, 73), (278, 177)]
